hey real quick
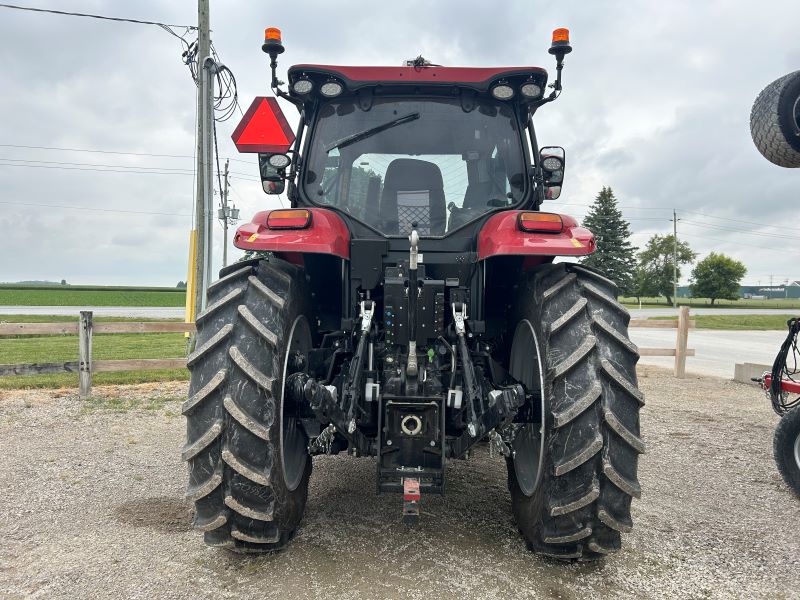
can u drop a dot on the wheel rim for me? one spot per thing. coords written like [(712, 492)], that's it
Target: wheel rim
[(525, 366), (796, 115), (294, 451), (797, 451)]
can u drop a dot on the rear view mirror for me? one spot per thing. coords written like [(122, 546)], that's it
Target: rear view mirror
[(552, 160), (273, 188), (273, 179)]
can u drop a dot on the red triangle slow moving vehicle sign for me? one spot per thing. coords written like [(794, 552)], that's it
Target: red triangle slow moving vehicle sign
[(263, 128)]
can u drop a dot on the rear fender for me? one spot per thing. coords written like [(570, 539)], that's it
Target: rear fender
[(327, 234), (500, 236)]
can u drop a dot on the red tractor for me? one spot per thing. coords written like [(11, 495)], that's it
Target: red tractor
[(408, 307)]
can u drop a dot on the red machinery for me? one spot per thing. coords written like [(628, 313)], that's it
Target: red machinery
[(782, 386)]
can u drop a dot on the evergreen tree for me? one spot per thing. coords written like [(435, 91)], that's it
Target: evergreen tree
[(615, 256)]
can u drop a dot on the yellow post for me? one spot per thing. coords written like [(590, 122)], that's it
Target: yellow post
[(190, 281)]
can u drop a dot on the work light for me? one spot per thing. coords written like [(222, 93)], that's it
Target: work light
[(279, 161), (331, 89), (552, 163), (530, 90), (303, 86), (503, 91)]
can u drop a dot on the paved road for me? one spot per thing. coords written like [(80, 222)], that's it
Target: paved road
[(716, 351), (152, 312)]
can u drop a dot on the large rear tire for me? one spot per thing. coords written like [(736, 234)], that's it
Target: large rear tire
[(248, 463), (786, 447), (572, 498), (775, 121)]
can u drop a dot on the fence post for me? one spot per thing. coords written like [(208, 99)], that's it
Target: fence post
[(85, 354), (682, 342)]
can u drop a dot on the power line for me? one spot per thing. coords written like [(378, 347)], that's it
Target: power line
[(740, 231), (94, 16), (129, 171), (93, 209), (112, 152), (114, 169), (718, 218), (738, 243), (52, 162)]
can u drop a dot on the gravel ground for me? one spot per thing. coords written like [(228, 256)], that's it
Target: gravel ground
[(93, 508)]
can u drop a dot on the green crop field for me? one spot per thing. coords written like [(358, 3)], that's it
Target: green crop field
[(90, 296), (737, 322)]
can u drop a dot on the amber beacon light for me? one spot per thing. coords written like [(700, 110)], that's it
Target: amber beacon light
[(273, 45), (560, 43)]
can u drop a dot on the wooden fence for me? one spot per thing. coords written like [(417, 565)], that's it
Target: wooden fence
[(85, 328), (681, 350)]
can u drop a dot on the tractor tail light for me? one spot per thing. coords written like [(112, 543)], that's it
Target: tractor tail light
[(289, 219), (540, 222)]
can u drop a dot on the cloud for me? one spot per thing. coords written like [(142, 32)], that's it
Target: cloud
[(656, 104)]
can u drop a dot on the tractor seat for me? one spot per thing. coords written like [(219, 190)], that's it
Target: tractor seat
[(413, 192)]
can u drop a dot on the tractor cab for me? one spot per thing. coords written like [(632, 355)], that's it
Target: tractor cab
[(413, 145)]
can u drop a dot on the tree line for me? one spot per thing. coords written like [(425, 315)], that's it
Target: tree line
[(650, 271)]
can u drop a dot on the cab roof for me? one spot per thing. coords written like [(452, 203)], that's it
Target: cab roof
[(478, 78)]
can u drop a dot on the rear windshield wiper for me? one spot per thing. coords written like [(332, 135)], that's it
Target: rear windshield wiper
[(362, 135)]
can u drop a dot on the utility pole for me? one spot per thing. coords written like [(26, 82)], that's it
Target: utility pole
[(674, 258), (226, 214), (205, 173)]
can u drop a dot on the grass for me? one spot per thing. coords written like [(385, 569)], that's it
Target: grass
[(70, 380), (737, 322), (63, 348), (122, 404), (787, 303), (73, 319), (69, 296)]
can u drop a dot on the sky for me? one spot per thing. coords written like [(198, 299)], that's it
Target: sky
[(656, 105)]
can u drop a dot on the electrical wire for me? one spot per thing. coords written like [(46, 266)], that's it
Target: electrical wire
[(95, 209), (739, 231), (130, 171), (99, 168), (226, 95), (781, 371), (53, 162), (94, 16), (193, 157)]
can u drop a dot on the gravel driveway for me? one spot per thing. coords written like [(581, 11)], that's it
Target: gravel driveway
[(92, 507)]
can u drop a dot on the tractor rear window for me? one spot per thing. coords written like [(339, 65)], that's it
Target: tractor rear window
[(409, 163)]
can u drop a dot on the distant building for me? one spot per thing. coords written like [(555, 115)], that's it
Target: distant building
[(758, 292)]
